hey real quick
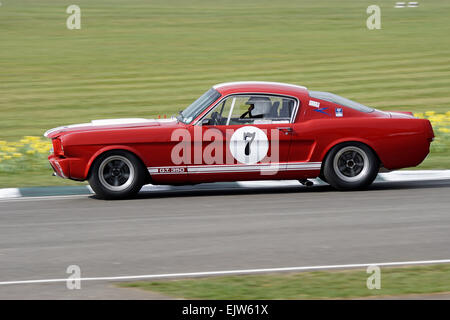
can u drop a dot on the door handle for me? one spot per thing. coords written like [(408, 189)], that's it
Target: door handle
[(289, 129), (286, 130)]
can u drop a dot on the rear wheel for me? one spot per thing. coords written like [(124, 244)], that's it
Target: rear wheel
[(350, 165), (117, 174)]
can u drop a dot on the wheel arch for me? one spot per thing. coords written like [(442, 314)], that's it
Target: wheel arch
[(328, 149), (104, 150)]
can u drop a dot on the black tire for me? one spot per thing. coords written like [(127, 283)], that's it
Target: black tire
[(350, 166), (117, 174), (322, 177)]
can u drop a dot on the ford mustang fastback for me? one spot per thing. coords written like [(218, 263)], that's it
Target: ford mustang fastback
[(243, 131)]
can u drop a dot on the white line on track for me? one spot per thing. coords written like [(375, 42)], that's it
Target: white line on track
[(9, 193), (228, 272), (13, 194), (41, 198)]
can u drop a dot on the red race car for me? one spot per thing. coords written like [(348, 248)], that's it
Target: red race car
[(243, 131)]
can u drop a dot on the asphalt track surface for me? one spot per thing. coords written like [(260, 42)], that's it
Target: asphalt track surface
[(203, 229)]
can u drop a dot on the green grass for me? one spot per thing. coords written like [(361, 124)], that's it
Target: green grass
[(139, 58), (306, 285), (35, 179)]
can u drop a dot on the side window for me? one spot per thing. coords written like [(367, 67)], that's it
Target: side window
[(219, 115), (251, 109)]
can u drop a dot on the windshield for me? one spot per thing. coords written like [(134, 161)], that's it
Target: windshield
[(340, 100), (192, 112)]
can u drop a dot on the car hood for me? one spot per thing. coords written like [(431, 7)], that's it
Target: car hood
[(105, 124)]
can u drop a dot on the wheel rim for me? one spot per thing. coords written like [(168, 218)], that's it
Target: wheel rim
[(116, 173), (351, 164)]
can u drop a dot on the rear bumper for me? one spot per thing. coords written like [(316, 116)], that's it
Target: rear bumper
[(60, 166)]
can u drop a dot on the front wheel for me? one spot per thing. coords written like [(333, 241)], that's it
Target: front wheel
[(350, 165), (117, 174)]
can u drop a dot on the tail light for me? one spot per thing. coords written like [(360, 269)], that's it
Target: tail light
[(57, 147), (429, 130)]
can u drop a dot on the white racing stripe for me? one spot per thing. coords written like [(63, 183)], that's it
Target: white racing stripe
[(227, 168), (230, 272)]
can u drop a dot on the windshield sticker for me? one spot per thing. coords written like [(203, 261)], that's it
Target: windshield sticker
[(314, 103), (339, 112)]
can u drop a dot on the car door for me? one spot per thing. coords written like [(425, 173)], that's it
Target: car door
[(243, 137)]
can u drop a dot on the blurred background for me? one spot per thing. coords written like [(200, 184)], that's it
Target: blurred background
[(148, 58)]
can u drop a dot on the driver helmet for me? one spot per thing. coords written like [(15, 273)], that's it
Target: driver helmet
[(262, 105)]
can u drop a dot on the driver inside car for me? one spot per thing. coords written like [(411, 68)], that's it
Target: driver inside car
[(258, 107)]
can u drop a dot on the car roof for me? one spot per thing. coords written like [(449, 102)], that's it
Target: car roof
[(259, 86)]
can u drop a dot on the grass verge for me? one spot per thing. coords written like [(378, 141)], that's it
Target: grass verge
[(141, 58), (397, 281)]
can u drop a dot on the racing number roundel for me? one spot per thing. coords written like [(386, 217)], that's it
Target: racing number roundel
[(249, 145)]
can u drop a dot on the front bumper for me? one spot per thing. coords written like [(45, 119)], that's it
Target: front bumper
[(61, 166)]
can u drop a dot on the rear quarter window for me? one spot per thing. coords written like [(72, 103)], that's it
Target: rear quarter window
[(334, 98)]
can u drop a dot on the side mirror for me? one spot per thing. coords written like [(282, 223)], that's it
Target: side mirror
[(206, 122)]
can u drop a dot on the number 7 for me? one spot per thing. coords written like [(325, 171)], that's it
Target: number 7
[(250, 135)]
